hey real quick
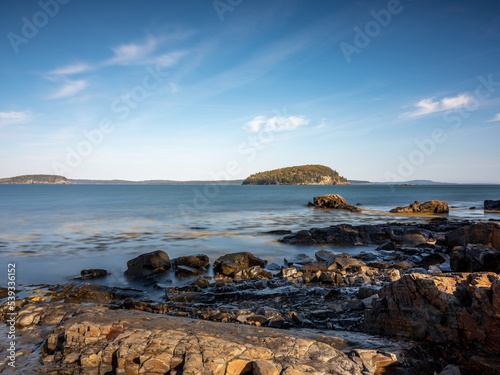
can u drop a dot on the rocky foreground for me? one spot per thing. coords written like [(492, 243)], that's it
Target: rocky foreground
[(426, 301)]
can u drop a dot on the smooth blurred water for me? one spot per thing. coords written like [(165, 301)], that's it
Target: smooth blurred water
[(54, 231)]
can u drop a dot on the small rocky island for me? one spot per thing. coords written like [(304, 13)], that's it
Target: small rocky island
[(300, 175)]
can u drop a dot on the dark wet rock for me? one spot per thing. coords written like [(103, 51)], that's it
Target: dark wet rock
[(387, 246), (367, 291), (279, 232), (432, 207), (273, 267), (354, 304), (480, 234), (399, 234), (310, 277), (302, 237), (298, 260), (192, 261), (148, 264), (331, 277), (85, 292), (403, 265), (185, 271), (255, 272), (412, 237), (435, 259), (201, 282), (368, 301), (314, 267), (345, 262), (333, 201), (231, 263), (93, 273), (475, 258), (325, 256), (492, 205), (459, 309)]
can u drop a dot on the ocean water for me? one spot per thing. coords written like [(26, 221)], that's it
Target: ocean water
[(52, 232)]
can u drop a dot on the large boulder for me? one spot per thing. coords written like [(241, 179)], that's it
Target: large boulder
[(492, 205), (461, 309), (333, 201), (148, 264), (230, 263), (430, 207), (475, 258), (479, 234)]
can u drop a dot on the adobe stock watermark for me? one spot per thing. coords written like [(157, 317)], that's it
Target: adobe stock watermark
[(372, 29), (426, 147), (11, 315), (121, 107), (30, 26), (224, 6), (248, 151)]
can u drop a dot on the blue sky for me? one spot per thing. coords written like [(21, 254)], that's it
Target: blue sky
[(378, 90)]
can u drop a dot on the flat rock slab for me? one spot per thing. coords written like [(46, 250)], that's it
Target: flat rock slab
[(96, 340)]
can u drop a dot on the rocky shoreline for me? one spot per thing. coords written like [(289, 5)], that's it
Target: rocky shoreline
[(426, 301)]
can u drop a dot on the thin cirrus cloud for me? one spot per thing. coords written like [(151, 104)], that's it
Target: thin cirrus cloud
[(71, 69), (276, 123), (124, 55), (69, 89), (495, 119), (431, 105), (10, 118)]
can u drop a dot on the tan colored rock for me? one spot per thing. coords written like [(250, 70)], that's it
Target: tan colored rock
[(239, 366), (264, 367), (463, 309), (433, 207), (136, 342)]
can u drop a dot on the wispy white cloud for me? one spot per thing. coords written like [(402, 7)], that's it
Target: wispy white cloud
[(9, 118), (433, 105), (143, 54), (126, 54), (71, 69), (69, 89), (495, 119), (276, 123)]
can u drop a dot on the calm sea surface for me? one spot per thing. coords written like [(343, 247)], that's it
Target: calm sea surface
[(52, 232)]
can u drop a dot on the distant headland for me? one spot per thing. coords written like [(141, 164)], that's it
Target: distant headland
[(36, 179), (298, 175)]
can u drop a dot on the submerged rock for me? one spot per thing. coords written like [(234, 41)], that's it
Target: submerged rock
[(148, 264), (491, 205), (431, 207), (93, 273)]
